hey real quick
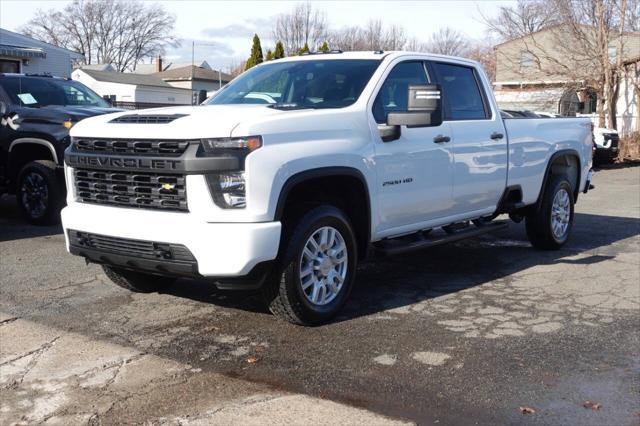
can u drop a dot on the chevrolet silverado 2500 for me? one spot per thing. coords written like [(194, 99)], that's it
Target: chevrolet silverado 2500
[(302, 166)]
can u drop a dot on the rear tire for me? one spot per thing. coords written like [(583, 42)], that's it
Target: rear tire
[(137, 282), (316, 267), (549, 227), (39, 193)]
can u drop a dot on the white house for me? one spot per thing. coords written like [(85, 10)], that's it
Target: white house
[(159, 65), (195, 78), (22, 54), (129, 90)]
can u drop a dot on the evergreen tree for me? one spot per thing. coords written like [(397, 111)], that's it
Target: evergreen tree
[(324, 47), (269, 56), (304, 49), (256, 53), (279, 51)]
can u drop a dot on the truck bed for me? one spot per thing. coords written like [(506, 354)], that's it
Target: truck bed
[(532, 143)]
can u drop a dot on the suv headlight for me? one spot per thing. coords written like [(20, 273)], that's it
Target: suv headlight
[(228, 188)]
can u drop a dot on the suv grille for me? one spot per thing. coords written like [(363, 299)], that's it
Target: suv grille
[(129, 189), (131, 146), (147, 119), (129, 247)]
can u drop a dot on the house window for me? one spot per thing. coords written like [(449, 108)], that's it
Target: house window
[(613, 52), (7, 66), (527, 60)]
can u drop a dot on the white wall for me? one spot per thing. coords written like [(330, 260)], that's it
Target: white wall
[(159, 95), (123, 92), (133, 93)]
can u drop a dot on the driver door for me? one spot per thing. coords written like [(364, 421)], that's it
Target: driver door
[(415, 171)]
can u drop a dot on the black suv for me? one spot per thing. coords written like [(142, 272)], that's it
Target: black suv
[(36, 113)]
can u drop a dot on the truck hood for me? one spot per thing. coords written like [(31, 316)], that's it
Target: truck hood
[(185, 122)]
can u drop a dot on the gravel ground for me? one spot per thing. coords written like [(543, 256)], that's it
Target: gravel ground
[(461, 334)]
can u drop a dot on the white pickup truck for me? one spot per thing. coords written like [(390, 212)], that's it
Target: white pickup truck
[(301, 167)]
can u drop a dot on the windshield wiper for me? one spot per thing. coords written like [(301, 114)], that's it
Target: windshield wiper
[(289, 107)]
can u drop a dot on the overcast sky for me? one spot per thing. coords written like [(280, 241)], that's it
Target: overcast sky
[(222, 30)]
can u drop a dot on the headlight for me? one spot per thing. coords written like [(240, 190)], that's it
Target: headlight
[(228, 190), (231, 145)]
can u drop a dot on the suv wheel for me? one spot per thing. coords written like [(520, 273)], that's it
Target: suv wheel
[(39, 193), (316, 269), (550, 226), (137, 282)]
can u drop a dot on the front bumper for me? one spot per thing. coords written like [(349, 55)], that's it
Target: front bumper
[(606, 153), (587, 184), (220, 249)]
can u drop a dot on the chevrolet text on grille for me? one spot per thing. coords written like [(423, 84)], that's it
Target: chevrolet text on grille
[(123, 163)]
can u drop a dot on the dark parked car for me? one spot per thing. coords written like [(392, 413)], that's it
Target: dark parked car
[(36, 113)]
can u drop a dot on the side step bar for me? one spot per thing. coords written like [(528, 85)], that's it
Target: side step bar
[(419, 241)]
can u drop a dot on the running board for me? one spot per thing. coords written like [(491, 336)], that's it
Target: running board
[(419, 241)]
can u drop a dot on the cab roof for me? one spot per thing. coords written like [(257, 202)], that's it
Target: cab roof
[(375, 55)]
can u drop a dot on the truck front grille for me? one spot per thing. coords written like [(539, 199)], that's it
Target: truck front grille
[(129, 189), (131, 146), (615, 139), (129, 247)]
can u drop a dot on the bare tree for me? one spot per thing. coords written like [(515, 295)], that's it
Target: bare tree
[(527, 17), (347, 39), (303, 25), (585, 49), (448, 41), (484, 53), (118, 32), (373, 36), (395, 38)]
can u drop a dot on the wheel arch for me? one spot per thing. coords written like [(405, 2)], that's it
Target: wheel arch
[(24, 150), (350, 179), (565, 160)]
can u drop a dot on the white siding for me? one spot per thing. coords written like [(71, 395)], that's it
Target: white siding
[(58, 61)]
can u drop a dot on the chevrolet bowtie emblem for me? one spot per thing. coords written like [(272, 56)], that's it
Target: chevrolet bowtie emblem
[(168, 186)]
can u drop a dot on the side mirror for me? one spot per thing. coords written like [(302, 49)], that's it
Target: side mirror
[(424, 108), (108, 99)]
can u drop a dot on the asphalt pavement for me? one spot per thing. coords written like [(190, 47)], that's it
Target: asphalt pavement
[(484, 331)]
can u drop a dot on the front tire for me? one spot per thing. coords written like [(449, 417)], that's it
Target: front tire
[(316, 269), (549, 227), (137, 282), (40, 194)]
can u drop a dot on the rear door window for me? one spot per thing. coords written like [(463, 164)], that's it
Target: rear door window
[(463, 98)]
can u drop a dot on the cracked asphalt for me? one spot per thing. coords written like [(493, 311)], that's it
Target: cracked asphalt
[(460, 334)]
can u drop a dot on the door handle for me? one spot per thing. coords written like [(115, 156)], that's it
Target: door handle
[(496, 136), (441, 139)]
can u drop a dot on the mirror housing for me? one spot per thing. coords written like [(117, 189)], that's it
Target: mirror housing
[(424, 108)]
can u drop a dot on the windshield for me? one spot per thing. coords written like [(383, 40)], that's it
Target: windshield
[(333, 83), (39, 92)]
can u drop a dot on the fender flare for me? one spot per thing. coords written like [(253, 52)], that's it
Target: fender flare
[(561, 153), (323, 172), (35, 141)]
